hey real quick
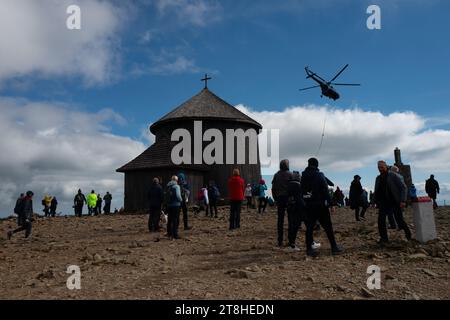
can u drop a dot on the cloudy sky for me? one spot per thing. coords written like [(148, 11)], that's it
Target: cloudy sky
[(76, 104)]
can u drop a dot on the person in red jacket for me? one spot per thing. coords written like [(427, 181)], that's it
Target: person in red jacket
[(236, 192)]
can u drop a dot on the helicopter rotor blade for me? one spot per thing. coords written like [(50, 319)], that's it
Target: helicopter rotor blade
[(308, 88), (339, 73), (345, 84)]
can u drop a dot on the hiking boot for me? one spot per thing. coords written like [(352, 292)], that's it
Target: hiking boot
[(293, 248), (337, 250), (383, 242), (9, 235)]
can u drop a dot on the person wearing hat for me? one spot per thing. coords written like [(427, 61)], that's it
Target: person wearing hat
[(317, 199), (25, 216), (355, 196)]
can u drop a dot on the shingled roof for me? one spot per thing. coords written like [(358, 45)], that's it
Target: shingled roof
[(205, 105), (156, 156)]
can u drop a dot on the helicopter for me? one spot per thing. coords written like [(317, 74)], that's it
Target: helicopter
[(326, 86)]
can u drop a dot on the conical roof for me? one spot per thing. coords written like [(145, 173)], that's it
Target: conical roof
[(205, 106)]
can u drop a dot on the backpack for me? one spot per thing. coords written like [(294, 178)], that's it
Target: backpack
[(200, 195), (19, 206), (43, 202), (213, 192), (170, 195), (258, 190), (255, 190), (79, 199)]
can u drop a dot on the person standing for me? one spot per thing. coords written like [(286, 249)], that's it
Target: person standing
[(236, 194), (280, 195), (295, 209), (432, 189), (79, 202), (203, 200), (25, 216), (46, 202), (107, 198), (317, 201), (98, 206), (185, 192), (390, 195), (338, 197), (262, 201), (248, 196), (92, 202), (413, 192), (372, 203), (355, 195), (53, 206), (364, 204), (156, 198), (173, 206), (213, 196)]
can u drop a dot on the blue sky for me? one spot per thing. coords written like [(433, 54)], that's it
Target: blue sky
[(147, 57)]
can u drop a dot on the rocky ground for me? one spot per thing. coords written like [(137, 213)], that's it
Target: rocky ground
[(119, 259)]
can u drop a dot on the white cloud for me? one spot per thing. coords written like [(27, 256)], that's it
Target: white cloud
[(177, 65), (353, 138), (191, 12), (36, 41), (51, 148), (168, 63)]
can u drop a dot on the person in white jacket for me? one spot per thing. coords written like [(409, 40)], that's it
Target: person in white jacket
[(205, 201), (248, 195)]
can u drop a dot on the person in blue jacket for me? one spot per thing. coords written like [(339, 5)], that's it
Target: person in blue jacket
[(173, 206)]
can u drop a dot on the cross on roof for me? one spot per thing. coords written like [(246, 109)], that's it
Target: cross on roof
[(206, 78)]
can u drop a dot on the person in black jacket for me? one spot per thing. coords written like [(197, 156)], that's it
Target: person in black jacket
[(156, 198), (390, 195), (185, 192), (355, 195), (432, 189), (317, 200), (295, 209), (107, 198), (53, 206), (280, 195), (25, 216), (78, 203), (98, 207), (213, 197)]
